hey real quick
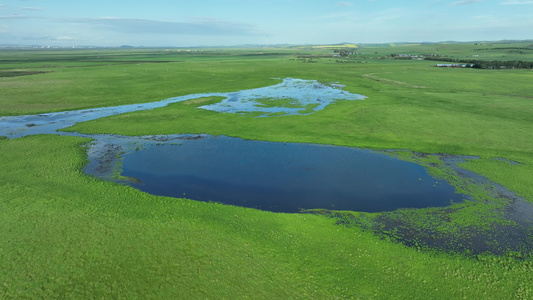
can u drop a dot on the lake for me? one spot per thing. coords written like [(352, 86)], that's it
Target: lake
[(283, 177)]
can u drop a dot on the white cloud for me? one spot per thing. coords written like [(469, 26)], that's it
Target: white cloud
[(32, 8), (198, 26), (464, 2), (15, 17), (523, 2)]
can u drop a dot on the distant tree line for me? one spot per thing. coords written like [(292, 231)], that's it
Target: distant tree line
[(340, 61), (308, 59), (489, 64), (513, 50), (529, 47)]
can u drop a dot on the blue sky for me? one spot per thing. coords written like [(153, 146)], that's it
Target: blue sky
[(238, 22)]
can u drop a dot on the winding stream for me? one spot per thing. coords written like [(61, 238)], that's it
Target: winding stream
[(308, 95)]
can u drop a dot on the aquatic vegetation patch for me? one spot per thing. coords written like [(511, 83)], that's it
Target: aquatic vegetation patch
[(279, 102), (494, 221), (203, 101)]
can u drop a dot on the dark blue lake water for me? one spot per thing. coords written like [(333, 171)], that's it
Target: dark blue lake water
[(284, 177)]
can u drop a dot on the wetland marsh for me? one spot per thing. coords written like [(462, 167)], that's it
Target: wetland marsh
[(277, 177), (71, 235)]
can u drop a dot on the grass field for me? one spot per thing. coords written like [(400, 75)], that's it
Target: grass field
[(67, 235)]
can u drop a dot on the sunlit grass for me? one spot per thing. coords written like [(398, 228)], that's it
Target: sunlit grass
[(66, 235)]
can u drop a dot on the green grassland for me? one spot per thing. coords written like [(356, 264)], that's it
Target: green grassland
[(67, 235)]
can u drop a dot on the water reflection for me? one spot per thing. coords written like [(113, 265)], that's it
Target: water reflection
[(283, 177)]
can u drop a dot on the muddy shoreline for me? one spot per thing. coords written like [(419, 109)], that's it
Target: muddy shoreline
[(508, 228)]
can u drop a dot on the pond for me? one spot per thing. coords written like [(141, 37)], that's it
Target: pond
[(282, 177)]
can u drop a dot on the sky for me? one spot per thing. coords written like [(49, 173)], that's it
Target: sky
[(178, 23)]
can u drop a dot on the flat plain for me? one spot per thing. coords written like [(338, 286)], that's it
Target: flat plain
[(64, 234)]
